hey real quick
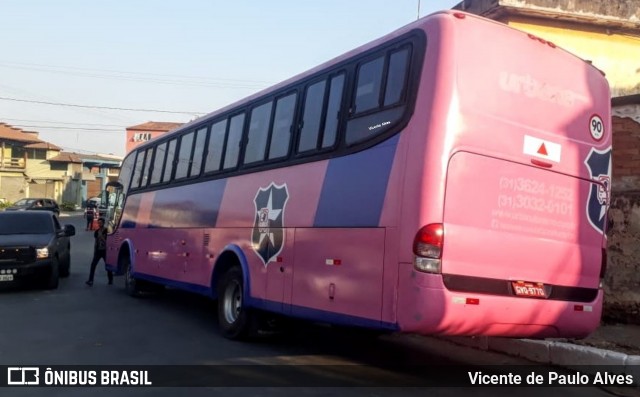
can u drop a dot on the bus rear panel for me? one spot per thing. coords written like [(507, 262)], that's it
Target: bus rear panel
[(523, 182)]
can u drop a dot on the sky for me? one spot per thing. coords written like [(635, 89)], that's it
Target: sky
[(79, 72)]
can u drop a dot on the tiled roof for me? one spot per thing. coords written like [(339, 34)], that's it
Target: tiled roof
[(43, 145), (16, 134), (100, 159), (66, 157), (155, 126)]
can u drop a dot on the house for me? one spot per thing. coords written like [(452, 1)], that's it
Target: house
[(24, 169), (138, 134), (31, 167), (87, 174)]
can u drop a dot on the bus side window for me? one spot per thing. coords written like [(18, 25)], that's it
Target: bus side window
[(137, 169), (198, 151), (283, 120), (184, 155), (380, 96), (333, 111), (216, 146), (396, 77), (232, 147), (321, 115), (312, 115), (147, 167), (158, 162), (369, 85), (169, 162), (258, 133)]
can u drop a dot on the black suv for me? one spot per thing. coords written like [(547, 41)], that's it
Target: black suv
[(45, 204), (33, 244)]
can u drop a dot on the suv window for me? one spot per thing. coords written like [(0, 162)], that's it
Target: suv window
[(24, 223)]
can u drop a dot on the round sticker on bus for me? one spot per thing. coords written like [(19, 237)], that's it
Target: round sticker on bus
[(596, 126)]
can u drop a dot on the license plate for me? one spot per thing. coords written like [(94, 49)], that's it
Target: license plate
[(531, 290), (6, 277)]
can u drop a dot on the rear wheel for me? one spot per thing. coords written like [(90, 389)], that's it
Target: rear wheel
[(235, 320), (131, 285)]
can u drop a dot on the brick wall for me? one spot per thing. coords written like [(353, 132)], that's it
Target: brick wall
[(626, 155), (622, 281)]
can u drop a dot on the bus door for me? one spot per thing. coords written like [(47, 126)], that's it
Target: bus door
[(112, 198)]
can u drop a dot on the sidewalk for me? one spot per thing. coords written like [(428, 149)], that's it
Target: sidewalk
[(617, 345)]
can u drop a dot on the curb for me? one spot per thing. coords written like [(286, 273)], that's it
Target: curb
[(561, 354)]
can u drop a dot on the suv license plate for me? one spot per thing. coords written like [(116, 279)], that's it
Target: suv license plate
[(6, 277), (531, 290)]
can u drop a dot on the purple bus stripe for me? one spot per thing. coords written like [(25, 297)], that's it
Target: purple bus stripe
[(197, 205), (355, 186)]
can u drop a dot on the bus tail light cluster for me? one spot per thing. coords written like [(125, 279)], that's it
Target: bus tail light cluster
[(427, 248)]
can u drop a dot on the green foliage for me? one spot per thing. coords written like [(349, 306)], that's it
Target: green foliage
[(5, 204), (67, 206)]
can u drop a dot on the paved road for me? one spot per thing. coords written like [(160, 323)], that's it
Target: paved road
[(101, 325)]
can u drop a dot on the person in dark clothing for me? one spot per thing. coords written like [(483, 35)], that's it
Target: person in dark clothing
[(90, 212), (99, 252)]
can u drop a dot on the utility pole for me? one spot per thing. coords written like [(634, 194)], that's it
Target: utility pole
[(418, 10)]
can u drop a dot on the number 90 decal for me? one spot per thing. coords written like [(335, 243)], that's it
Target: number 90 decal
[(596, 127)]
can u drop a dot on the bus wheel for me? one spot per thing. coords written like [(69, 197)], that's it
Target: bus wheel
[(130, 283), (234, 318)]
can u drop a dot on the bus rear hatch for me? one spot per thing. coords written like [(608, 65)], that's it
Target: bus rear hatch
[(520, 230)]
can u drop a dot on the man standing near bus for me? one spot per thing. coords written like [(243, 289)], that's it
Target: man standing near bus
[(89, 213), (99, 252)]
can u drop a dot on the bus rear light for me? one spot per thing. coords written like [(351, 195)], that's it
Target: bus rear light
[(472, 301), (429, 240), (459, 15), (460, 300), (582, 308), (427, 265), (427, 248)]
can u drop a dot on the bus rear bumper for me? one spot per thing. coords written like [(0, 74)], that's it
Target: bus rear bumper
[(427, 307)]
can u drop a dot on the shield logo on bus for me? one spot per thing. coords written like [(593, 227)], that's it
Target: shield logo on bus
[(267, 236), (599, 165)]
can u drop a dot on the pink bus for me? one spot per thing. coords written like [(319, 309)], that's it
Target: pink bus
[(449, 178)]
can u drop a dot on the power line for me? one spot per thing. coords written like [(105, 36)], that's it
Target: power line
[(62, 122), (100, 107), (134, 76), (69, 128)]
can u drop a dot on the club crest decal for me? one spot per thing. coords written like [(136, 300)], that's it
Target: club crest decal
[(599, 165), (267, 235)]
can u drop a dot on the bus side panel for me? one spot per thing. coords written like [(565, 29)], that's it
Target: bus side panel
[(390, 220), (289, 197), (339, 270)]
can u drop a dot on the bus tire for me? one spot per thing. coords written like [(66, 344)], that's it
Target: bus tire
[(234, 319), (130, 283)]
